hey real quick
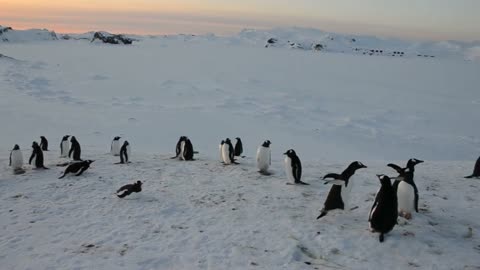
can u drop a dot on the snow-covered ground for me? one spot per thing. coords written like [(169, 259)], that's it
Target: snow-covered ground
[(331, 108)]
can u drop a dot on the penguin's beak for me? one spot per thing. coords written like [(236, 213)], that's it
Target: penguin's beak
[(363, 166), (285, 153), (419, 161)]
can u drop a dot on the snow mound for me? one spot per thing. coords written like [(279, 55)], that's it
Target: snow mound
[(8, 34)]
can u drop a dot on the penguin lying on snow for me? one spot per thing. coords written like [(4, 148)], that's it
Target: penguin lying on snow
[(476, 170), (406, 189), (129, 189), (43, 143), (264, 157), (339, 195), (293, 168), (77, 167), (383, 215), (37, 156), (16, 160)]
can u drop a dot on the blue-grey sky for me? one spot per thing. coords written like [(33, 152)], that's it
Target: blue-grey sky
[(411, 19)]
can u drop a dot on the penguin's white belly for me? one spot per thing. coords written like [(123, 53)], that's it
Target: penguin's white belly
[(129, 152), (226, 154), (406, 197), (345, 193), (182, 150), (34, 160), (289, 169), (263, 158), (65, 148), (220, 150), (116, 148), (17, 159)]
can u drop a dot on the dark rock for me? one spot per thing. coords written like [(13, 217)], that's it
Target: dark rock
[(112, 39)]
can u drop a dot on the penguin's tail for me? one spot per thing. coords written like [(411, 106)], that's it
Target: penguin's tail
[(381, 238), (322, 214), (470, 176)]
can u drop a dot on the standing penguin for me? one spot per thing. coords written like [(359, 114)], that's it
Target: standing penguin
[(339, 194), (64, 146), (238, 147), (228, 153), (220, 149), (187, 150), (476, 170), (406, 189), (43, 143), (293, 167), (125, 153), (115, 147), (16, 160), (37, 156), (180, 147), (384, 213), (264, 157), (129, 189), (75, 149)]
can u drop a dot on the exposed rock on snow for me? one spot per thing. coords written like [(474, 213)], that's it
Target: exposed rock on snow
[(111, 39)]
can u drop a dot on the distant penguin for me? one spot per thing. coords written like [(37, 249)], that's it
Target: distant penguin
[(64, 146), (77, 167), (228, 153), (129, 189), (16, 159), (384, 212), (75, 149), (37, 156), (476, 170), (264, 157), (115, 147), (220, 149), (238, 147), (187, 150), (43, 143), (180, 147), (406, 189), (293, 167), (125, 153), (339, 194)]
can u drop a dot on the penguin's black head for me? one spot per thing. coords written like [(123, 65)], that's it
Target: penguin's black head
[(139, 183), (290, 153), (89, 161), (65, 137), (237, 138), (16, 147), (384, 180), (227, 140), (413, 161), (357, 165), (35, 144), (42, 137), (223, 142), (117, 138), (266, 143), (73, 139), (126, 143)]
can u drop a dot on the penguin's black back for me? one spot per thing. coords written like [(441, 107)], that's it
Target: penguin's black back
[(188, 150), (238, 147), (334, 199), (385, 210), (476, 170)]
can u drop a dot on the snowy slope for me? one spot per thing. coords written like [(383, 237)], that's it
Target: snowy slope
[(331, 108)]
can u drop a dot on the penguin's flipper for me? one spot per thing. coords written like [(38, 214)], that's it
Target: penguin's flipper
[(395, 167), (338, 182), (468, 177), (64, 174), (332, 175), (322, 214)]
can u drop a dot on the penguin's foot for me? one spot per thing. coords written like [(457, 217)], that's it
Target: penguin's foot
[(266, 173)]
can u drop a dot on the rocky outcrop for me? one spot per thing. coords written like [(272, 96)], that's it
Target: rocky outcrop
[(112, 39)]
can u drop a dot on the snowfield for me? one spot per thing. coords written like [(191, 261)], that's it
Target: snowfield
[(332, 108)]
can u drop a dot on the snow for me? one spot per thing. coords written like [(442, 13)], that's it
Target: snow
[(332, 108)]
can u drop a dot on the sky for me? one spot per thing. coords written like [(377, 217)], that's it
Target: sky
[(407, 19)]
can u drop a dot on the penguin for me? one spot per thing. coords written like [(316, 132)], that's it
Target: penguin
[(16, 160), (339, 194), (125, 153), (238, 147), (228, 153), (264, 157), (406, 189), (77, 167), (37, 156), (43, 143), (75, 149), (115, 147), (64, 146), (180, 147), (293, 167), (220, 149), (384, 212), (476, 170), (187, 150), (129, 189)]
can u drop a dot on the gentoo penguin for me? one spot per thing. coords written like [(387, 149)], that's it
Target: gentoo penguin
[(75, 149), (77, 167), (180, 147), (406, 189), (43, 143), (187, 150), (37, 156), (16, 159), (125, 153), (115, 147), (293, 167), (264, 157), (228, 153), (64, 146), (476, 170), (238, 147), (339, 194), (384, 213), (129, 189), (220, 149)]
